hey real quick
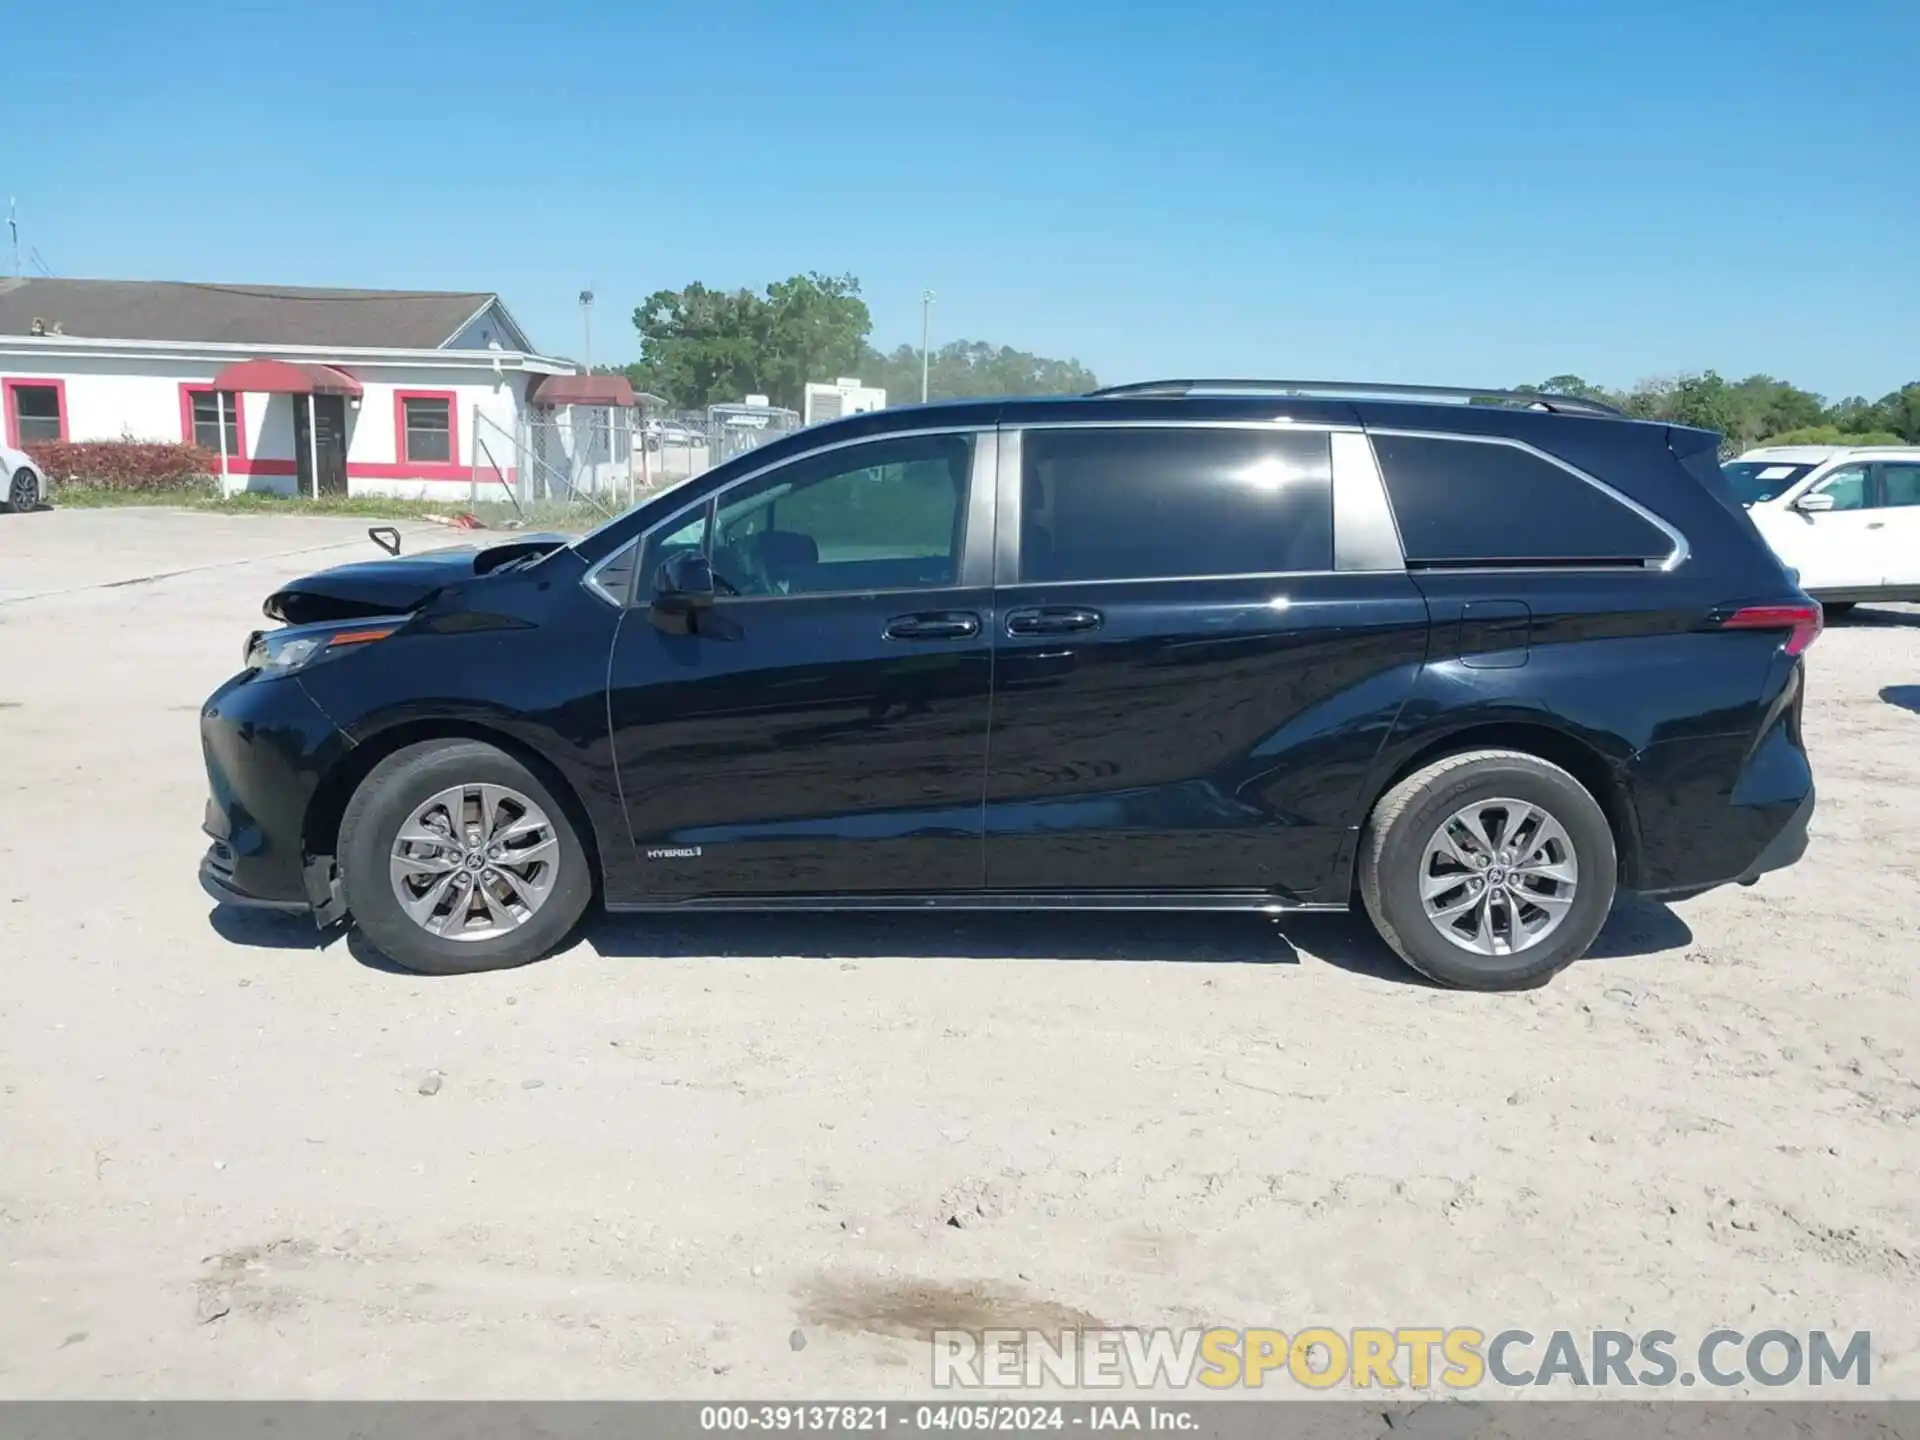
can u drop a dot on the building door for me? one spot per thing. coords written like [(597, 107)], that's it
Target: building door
[(327, 440)]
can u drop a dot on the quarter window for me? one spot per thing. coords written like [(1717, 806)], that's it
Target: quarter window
[(36, 413), (888, 515), (1150, 503), (427, 421), (1474, 502)]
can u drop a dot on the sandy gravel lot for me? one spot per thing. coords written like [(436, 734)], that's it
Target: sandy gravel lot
[(746, 1157)]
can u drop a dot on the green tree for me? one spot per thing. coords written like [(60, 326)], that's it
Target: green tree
[(1901, 412), (1763, 405), (972, 369), (1575, 386), (1855, 415), (815, 329), (702, 347), (1706, 402)]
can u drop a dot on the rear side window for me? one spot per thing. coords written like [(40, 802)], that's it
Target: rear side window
[(1467, 502), (1902, 484), (1148, 503)]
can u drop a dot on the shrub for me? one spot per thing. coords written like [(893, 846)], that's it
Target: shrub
[(125, 464), (1833, 435)]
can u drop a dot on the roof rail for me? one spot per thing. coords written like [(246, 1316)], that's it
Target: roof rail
[(1558, 404)]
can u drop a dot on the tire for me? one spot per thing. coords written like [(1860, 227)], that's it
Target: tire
[(1833, 609), (1395, 861), (420, 775), (23, 492)]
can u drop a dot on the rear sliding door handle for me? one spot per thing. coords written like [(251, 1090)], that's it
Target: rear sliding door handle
[(936, 625), (1053, 621)]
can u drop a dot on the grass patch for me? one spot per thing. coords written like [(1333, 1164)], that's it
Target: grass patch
[(252, 502)]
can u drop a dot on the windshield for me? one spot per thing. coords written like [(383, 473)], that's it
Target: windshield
[(1755, 480)]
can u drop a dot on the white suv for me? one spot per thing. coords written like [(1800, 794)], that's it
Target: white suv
[(1848, 519), (22, 486)]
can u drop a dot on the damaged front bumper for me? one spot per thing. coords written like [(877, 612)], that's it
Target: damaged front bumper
[(267, 748)]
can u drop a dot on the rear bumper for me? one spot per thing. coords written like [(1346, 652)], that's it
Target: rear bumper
[(1786, 848)]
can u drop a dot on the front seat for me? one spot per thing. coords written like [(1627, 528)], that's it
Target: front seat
[(786, 559)]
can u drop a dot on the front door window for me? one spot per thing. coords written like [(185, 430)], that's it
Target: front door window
[(1847, 487), (889, 515)]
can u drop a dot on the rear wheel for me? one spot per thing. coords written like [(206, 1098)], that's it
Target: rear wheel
[(23, 491), (455, 858), (1488, 870)]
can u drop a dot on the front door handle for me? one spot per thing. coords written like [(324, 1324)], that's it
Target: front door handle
[(936, 625), (1876, 524), (1053, 621)]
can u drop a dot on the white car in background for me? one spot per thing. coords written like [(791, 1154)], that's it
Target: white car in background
[(1847, 518), (22, 486)]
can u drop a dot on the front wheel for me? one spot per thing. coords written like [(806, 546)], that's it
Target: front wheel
[(23, 491), (455, 858), (1488, 870)]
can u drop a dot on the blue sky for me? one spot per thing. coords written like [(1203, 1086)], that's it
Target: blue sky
[(1401, 190)]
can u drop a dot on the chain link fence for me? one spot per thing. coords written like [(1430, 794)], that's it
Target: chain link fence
[(571, 467)]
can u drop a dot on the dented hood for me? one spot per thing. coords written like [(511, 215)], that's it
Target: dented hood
[(398, 585)]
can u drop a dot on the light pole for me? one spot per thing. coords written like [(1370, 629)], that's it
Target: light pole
[(586, 325), (926, 311)]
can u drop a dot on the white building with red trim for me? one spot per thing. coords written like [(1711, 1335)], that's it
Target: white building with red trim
[(408, 393)]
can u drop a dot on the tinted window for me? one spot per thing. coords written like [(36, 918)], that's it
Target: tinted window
[(1902, 484), (888, 515), (1466, 502), (1847, 487), (1137, 504)]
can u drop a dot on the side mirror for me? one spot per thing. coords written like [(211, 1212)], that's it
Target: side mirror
[(1813, 503), (682, 587)]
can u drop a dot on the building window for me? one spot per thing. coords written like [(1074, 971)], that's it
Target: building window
[(206, 411), (426, 429), (34, 412)]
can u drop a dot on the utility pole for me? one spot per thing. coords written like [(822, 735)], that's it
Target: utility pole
[(586, 325), (926, 311), (13, 224)]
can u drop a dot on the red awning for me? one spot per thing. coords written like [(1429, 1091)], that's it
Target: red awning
[(611, 390), (285, 377)]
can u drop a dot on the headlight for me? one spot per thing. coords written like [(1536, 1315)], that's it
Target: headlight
[(281, 652)]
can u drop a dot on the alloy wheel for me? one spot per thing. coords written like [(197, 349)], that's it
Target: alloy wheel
[(474, 862), (1498, 876), (23, 493)]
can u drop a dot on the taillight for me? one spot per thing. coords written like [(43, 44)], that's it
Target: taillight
[(1802, 622)]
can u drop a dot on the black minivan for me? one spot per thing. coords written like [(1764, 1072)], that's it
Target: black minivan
[(1475, 659)]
